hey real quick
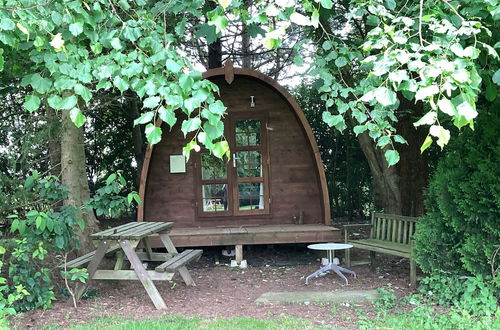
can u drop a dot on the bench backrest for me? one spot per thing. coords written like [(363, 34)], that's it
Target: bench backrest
[(392, 228)]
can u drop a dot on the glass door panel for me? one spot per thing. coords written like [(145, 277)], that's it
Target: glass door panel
[(215, 195), (248, 164), (251, 196), (249, 167)]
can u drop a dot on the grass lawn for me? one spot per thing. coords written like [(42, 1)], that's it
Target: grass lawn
[(181, 323), (420, 318)]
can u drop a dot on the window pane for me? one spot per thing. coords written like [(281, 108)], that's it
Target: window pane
[(213, 168), (249, 164), (214, 197), (247, 132), (251, 196)]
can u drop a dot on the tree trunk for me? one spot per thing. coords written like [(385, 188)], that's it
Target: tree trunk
[(400, 189), (386, 190), (54, 142), (74, 176), (412, 168), (215, 54), (137, 136)]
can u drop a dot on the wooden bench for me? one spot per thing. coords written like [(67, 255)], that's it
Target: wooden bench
[(85, 259), (180, 260), (389, 234)]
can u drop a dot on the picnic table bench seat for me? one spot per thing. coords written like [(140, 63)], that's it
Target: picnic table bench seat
[(180, 260), (85, 259), (389, 234)]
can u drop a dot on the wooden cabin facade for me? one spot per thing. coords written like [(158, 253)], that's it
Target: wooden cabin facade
[(273, 189)]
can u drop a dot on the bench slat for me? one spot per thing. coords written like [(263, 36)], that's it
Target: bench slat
[(85, 259), (110, 231), (179, 260)]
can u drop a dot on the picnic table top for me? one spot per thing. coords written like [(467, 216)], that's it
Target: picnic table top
[(133, 230)]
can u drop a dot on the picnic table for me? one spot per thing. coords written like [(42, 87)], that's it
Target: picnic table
[(124, 240)]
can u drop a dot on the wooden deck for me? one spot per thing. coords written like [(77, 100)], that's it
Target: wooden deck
[(249, 235)]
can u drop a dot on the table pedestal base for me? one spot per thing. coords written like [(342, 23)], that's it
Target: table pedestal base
[(335, 268)]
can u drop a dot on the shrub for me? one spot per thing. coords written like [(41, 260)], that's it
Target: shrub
[(467, 293), (461, 228)]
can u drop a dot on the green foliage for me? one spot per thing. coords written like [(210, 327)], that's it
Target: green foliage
[(7, 299), (41, 231), (428, 318), (460, 231), (474, 295), (84, 48), (107, 200), (348, 175), (387, 300)]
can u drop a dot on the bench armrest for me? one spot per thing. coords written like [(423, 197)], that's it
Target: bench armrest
[(357, 225), (347, 228)]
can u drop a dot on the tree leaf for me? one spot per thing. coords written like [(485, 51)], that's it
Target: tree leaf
[(76, 28), (40, 84), (153, 133), (426, 144), (224, 3), (173, 66), (327, 4), (110, 178), (428, 119), (144, 118), (441, 133), (300, 19), (191, 124), (120, 83), (31, 102), (359, 129), (68, 102), (340, 62), (496, 77), (83, 91), (151, 102), (392, 157), (220, 149), (217, 108), (77, 117), (447, 107), (491, 92), (385, 96), (168, 116), (426, 92), (465, 109)]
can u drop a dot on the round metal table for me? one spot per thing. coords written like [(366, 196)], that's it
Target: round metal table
[(330, 248)]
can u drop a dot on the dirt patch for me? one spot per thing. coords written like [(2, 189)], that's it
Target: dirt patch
[(225, 292)]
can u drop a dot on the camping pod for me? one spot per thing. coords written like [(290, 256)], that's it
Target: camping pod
[(272, 189)]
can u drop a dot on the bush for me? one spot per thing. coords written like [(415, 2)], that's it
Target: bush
[(471, 294), (461, 228)]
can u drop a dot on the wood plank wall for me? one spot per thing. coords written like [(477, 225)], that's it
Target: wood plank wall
[(294, 181)]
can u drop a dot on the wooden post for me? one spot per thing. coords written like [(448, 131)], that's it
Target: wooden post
[(373, 254), (119, 260), (413, 267), (239, 253), (347, 251), (143, 275), (149, 250), (183, 271), (94, 263)]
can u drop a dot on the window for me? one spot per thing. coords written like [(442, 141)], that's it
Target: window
[(240, 186)]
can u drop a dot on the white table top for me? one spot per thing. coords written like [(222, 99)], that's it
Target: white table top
[(329, 246)]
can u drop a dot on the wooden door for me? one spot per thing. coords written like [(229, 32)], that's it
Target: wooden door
[(240, 186)]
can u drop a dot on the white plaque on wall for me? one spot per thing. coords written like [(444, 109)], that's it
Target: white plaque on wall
[(177, 164)]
